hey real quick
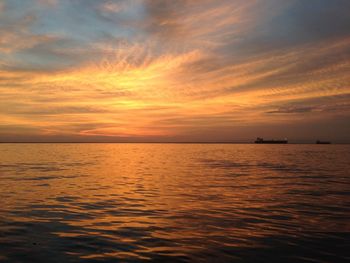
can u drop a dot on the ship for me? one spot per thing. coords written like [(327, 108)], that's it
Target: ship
[(322, 142), (262, 141)]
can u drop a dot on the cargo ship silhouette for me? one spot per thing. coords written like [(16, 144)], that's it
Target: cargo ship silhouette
[(322, 142), (262, 141)]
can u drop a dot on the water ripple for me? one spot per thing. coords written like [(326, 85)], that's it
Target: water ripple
[(174, 203)]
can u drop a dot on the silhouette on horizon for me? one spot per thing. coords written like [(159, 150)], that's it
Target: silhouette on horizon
[(262, 141), (323, 142)]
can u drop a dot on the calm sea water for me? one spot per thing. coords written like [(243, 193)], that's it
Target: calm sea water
[(174, 202)]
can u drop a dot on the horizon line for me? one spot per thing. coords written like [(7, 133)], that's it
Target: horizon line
[(145, 142)]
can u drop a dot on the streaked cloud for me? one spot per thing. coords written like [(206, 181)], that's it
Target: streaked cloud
[(48, 3), (173, 70)]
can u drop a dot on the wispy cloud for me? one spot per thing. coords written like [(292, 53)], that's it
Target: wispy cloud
[(165, 70)]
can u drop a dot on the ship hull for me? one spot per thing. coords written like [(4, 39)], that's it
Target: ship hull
[(271, 142)]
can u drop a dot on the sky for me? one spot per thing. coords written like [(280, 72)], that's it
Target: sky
[(174, 70)]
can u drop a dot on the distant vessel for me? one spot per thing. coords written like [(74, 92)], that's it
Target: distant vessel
[(262, 141), (322, 142)]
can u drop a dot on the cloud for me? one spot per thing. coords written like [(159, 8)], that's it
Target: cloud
[(291, 110), (48, 3), (2, 7), (164, 17), (318, 19), (164, 69), (15, 35), (112, 7)]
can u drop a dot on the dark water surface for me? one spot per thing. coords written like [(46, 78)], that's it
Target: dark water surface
[(174, 202)]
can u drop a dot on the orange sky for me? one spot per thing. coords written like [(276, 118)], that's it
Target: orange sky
[(205, 70)]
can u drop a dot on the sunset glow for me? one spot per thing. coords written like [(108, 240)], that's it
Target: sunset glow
[(159, 70)]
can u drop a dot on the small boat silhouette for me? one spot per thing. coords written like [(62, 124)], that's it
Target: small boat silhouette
[(262, 141)]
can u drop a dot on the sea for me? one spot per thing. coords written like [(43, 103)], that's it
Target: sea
[(174, 203)]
